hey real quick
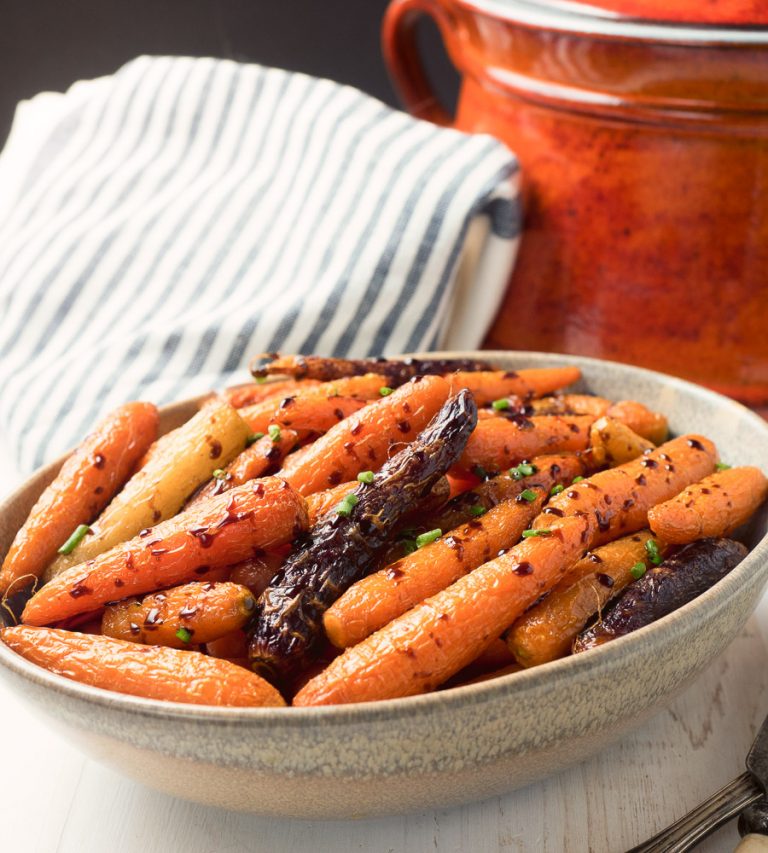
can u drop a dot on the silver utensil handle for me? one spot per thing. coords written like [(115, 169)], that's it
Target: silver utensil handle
[(721, 807)]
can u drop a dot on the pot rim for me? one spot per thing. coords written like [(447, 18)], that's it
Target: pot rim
[(576, 18)]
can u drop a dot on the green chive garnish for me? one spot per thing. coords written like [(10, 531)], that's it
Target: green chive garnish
[(409, 546), (652, 547), (260, 380), (365, 477), (81, 531), (477, 510), (501, 404), (528, 495), (274, 432), (430, 536), (184, 635), (637, 571), (555, 490), (577, 480), (721, 466), (524, 469), (218, 473), (253, 437), (385, 391), (345, 506), (541, 531)]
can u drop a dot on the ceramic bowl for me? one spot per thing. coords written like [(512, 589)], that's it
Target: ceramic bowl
[(428, 751)]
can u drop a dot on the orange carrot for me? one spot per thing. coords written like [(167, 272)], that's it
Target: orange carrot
[(254, 462), (83, 487), (424, 647), (498, 443), (612, 443), (490, 385), (377, 599), (364, 440), (640, 419), (570, 404), (179, 617), (254, 392), (620, 498), (547, 631), (224, 530), (305, 413), (231, 646), (257, 571), (153, 672), (714, 507)]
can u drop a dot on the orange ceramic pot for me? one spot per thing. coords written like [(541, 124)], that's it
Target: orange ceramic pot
[(644, 153)]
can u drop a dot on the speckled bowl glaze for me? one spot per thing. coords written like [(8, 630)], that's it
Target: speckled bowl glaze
[(427, 751)]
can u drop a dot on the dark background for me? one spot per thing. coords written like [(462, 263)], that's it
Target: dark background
[(48, 44)]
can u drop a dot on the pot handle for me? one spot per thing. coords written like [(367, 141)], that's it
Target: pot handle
[(401, 54)]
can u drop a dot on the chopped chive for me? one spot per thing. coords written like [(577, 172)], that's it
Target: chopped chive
[(524, 469), (365, 477), (528, 495), (347, 504), (274, 432), (555, 490), (409, 546), (253, 437), (184, 634), (352, 499), (577, 480), (480, 472), (385, 391), (219, 473), (652, 547), (500, 405), (541, 531), (80, 532), (477, 510), (260, 380), (430, 536), (637, 571), (721, 466)]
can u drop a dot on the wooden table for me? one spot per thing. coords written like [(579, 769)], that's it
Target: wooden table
[(54, 799)]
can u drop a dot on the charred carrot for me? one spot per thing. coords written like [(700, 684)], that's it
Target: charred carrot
[(222, 531), (307, 413), (185, 615), (83, 487), (153, 672), (498, 443), (620, 498), (379, 598), (255, 461), (363, 441), (714, 507), (424, 647), (547, 631), (488, 386), (641, 420), (254, 392)]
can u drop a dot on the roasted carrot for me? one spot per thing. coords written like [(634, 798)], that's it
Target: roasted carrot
[(231, 646), (487, 386), (254, 392), (569, 404), (547, 631), (363, 441), (254, 462), (640, 419), (257, 571), (153, 672), (304, 413), (498, 443), (379, 598), (224, 530), (620, 498), (424, 647), (612, 443), (83, 487), (185, 615), (714, 507)]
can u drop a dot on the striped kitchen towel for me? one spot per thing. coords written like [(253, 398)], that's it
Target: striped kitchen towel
[(161, 225)]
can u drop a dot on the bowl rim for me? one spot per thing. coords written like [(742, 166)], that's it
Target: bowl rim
[(642, 641)]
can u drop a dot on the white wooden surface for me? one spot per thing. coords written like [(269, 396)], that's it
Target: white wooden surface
[(53, 800)]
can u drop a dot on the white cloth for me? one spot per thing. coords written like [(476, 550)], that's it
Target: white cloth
[(161, 225)]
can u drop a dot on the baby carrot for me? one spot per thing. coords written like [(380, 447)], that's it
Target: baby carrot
[(363, 441), (307, 413), (83, 487), (179, 617), (254, 462), (498, 443), (612, 443), (640, 419), (547, 631), (490, 385), (254, 392), (714, 507), (377, 599), (569, 404), (222, 531), (153, 672), (424, 647)]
